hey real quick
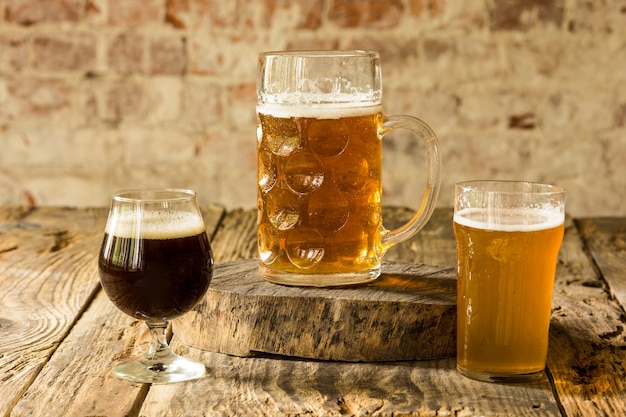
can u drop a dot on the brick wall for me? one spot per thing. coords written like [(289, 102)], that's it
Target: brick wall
[(97, 95)]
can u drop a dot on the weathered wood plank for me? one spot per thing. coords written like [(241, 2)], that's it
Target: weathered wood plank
[(408, 313), (265, 386), (433, 245), (587, 345), (77, 380), (606, 240), (47, 280), (279, 387)]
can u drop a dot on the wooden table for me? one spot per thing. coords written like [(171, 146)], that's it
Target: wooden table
[(60, 335)]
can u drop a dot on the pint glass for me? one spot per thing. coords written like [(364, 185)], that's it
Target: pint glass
[(319, 168), (508, 236)]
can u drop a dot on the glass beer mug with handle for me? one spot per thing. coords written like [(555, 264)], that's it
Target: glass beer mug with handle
[(319, 167)]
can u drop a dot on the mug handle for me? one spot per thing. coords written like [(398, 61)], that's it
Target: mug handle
[(419, 219)]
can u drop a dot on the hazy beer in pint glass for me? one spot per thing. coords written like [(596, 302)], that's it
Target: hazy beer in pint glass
[(320, 168), (508, 236)]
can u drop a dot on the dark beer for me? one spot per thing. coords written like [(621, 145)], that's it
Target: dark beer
[(159, 275)]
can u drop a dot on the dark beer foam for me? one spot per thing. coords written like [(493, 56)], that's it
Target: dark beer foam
[(155, 225)]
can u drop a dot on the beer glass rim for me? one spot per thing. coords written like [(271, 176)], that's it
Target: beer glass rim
[(153, 195), (510, 187), (317, 53)]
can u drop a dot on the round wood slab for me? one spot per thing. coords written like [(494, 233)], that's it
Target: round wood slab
[(408, 313)]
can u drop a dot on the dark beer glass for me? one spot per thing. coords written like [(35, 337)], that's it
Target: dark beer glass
[(156, 264)]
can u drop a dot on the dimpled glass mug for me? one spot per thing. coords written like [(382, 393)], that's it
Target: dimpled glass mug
[(319, 168)]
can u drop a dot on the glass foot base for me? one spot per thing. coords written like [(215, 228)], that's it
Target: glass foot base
[(501, 377), (162, 370)]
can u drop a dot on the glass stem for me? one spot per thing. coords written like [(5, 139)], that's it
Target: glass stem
[(158, 341)]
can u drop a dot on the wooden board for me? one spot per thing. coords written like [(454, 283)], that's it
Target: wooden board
[(606, 239), (408, 313), (60, 334)]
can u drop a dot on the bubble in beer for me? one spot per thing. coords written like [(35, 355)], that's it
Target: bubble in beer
[(303, 173), (268, 243), (329, 208), (304, 247), (282, 208), (267, 171), (327, 137), (368, 210), (351, 177), (282, 145)]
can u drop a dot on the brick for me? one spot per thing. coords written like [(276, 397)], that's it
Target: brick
[(28, 98), (241, 104), (29, 12), (371, 14), (167, 55), (230, 181), (134, 12), (578, 109), (194, 14), (56, 185), (65, 52), (238, 61), (13, 53), (145, 146), (125, 101), (606, 17), (523, 15), (313, 44), (163, 97), (202, 105), (394, 52), (299, 14), (438, 48), (428, 8), (127, 53), (95, 12), (36, 144), (9, 194), (492, 106)]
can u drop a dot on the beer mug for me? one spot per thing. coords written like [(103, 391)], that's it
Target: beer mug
[(319, 162), (508, 235)]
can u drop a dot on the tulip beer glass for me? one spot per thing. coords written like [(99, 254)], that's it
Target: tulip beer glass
[(508, 236), (155, 264), (319, 168)]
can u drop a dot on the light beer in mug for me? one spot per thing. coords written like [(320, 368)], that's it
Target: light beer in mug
[(319, 159), (319, 176)]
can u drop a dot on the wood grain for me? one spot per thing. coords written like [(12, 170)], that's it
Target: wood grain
[(47, 279), (280, 387), (587, 345), (408, 313), (283, 386), (59, 335), (606, 240), (75, 345)]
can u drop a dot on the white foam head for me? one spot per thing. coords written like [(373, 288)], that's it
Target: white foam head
[(511, 219), (319, 111), (161, 224)]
